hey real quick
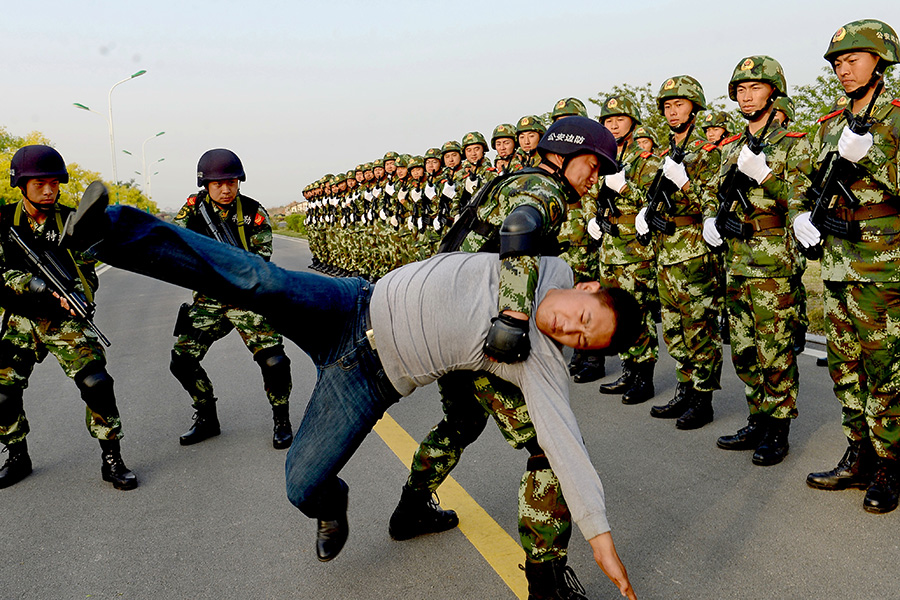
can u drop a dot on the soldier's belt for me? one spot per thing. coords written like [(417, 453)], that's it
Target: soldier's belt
[(622, 220), (863, 213), (686, 220), (764, 223)]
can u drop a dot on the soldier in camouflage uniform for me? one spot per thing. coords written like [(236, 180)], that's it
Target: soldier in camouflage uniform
[(529, 130), (624, 262), (476, 169), (687, 271), (862, 275), (35, 323), (760, 258), (520, 217), (206, 320), (503, 141), (448, 203), (715, 126)]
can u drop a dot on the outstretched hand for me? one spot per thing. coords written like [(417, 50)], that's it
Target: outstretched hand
[(609, 561)]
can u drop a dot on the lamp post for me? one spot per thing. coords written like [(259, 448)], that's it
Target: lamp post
[(144, 156), (109, 121)]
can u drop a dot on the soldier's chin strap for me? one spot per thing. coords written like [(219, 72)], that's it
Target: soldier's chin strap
[(758, 113), (682, 127), (862, 90), (558, 174)]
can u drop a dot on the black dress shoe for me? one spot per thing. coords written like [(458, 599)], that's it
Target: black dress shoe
[(89, 223), (330, 537)]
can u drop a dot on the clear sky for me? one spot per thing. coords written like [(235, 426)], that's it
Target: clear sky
[(299, 88)]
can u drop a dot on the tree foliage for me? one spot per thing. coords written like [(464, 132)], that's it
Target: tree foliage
[(819, 98), (79, 178)]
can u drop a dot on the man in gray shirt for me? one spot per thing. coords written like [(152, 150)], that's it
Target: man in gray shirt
[(371, 348)]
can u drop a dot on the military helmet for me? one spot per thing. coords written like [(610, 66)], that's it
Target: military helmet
[(378, 162), (218, 165), (645, 132), (336, 179), (504, 130), (417, 161), (568, 107), (620, 104), (402, 160), (433, 153), (36, 162), (718, 118), (530, 123), (681, 86), (786, 105), (758, 68), (390, 156), (474, 137), (367, 166), (351, 174), (580, 135), (451, 146), (869, 35)]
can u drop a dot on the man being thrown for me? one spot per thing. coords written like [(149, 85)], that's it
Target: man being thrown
[(425, 319)]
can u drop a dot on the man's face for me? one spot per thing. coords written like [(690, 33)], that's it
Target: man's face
[(452, 159), (618, 125), (432, 165), (402, 172), (854, 69), (224, 191), (474, 152), (379, 172), (714, 134), (582, 172), (646, 144), (576, 317), (677, 111), (351, 183), (417, 172), (42, 193), (390, 166), (528, 140), (359, 176), (752, 95), (369, 175), (504, 147)]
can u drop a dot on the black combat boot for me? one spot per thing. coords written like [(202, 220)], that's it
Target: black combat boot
[(206, 425), (822, 362), (774, 445), (283, 435), (699, 413), (854, 470), (800, 339), (676, 406), (593, 367), (418, 513), (746, 438), (883, 493), (17, 467), (333, 528), (575, 363), (113, 469), (725, 328), (552, 580), (623, 382), (641, 388)]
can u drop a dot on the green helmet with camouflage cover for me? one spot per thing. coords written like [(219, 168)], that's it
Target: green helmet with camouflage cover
[(758, 68), (378, 162), (681, 86), (390, 156), (473, 137), (620, 104), (504, 130), (869, 35), (433, 153), (367, 166), (645, 132), (715, 119), (416, 161), (336, 179), (786, 105), (568, 107), (351, 174), (530, 123), (451, 146), (402, 160)]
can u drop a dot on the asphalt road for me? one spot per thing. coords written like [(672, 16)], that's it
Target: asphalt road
[(212, 520)]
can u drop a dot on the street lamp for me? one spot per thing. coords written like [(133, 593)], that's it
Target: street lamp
[(144, 153), (109, 121)]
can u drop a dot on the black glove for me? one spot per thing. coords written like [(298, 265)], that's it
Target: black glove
[(507, 339)]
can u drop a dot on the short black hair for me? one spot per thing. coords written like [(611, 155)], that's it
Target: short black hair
[(629, 318)]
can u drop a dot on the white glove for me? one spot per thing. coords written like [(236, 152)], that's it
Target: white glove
[(410, 224), (456, 218), (594, 229), (430, 192), (640, 222), (471, 184), (382, 215), (416, 195), (371, 216), (675, 172), (420, 223), (377, 192), (394, 222), (402, 194), (368, 196), (334, 201), (805, 232), (389, 188), (710, 233), (852, 146), (616, 181), (753, 165), (436, 224), (449, 191)]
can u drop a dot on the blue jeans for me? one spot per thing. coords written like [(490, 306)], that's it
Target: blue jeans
[(326, 317)]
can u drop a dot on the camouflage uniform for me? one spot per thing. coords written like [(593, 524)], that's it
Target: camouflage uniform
[(521, 158), (208, 320)]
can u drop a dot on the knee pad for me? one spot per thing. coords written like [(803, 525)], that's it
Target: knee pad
[(96, 387), (275, 366), (10, 405), (184, 367)]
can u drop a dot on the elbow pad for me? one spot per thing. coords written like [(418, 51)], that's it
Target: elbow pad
[(507, 339), (520, 233)]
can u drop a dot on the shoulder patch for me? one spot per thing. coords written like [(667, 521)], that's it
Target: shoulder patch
[(697, 143), (258, 219), (895, 102), (830, 115), (646, 154), (191, 200), (664, 152), (795, 134), (728, 140), (709, 147)]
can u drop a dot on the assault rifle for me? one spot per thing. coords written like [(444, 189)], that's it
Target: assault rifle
[(214, 223), (733, 192), (659, 195), (832, 182), (606, 203), (55, 276)]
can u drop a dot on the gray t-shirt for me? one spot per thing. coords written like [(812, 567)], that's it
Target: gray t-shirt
[(431, 317)]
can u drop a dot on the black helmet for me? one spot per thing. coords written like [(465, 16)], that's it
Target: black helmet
[(218, 165), (576, 135), (32, 162)]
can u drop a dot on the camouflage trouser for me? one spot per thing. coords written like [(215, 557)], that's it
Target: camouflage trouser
[(762, 314), (211, 321), (691, 299), (862, 322), (26, 342), (640, 279), (545, 523)]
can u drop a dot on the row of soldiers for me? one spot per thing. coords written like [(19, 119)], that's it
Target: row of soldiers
[(709, 224)]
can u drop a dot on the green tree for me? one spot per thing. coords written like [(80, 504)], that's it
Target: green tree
[(295, 222), (819, 98)]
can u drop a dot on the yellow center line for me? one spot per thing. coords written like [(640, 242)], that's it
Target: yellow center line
[(497, 547)]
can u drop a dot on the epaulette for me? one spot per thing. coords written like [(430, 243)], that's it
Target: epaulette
[(828, 116), (728, 140), (709, 147), (664, 152), (795, 134), (258, 219), (697, 143), (646, 154), (191, 200)]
